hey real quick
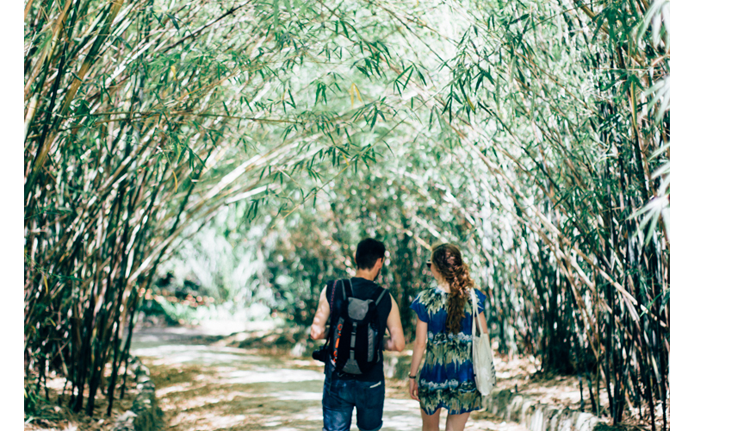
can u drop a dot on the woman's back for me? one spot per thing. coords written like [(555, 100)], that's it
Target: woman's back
[(447, 377), (431, 306)]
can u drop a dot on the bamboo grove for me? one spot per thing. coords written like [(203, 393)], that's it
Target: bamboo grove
[(533, 134)]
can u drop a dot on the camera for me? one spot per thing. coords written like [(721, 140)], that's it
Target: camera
[(321, 354)]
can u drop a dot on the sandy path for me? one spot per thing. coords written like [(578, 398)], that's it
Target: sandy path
[(207, 387)]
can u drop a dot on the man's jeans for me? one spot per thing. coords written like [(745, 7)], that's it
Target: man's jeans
[(341, 396)]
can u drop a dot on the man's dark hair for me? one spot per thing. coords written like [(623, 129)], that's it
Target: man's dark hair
[(368, 252)]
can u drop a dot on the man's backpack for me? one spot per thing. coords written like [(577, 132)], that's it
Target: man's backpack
[(354, 339)]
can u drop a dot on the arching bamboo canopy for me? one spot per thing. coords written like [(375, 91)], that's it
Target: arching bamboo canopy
[(257, 142)]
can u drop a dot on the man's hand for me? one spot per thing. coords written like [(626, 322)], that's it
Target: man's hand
[(396, 343)]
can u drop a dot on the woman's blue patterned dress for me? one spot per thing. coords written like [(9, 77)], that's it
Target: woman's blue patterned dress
[(447, 376)]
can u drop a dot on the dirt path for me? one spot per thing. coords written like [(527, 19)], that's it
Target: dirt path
[(201, 386)]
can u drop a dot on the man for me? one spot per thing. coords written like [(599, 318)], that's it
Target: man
[(343, 391)]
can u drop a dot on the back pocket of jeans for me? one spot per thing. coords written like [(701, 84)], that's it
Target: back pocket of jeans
[(375, 396)]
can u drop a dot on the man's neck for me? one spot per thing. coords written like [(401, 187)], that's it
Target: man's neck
[(366, 274)]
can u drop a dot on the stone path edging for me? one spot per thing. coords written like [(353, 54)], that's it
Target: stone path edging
[(145, 414), (540, 417)]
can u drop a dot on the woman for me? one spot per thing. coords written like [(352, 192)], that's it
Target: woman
[(444, 333)]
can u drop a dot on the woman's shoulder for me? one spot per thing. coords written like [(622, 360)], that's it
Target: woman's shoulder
[(481, 298), (431, 300), (423, 295)]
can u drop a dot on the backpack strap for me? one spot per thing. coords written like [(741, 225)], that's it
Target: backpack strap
[(332, 309), (333, 292), (382, 294), (351, 289), (351, 292)]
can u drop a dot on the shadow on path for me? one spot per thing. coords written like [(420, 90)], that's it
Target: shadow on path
[(201, 386)]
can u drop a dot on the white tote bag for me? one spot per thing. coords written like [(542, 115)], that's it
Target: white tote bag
[(484, 368)]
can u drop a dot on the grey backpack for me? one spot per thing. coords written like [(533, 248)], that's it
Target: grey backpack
[(356, 342)]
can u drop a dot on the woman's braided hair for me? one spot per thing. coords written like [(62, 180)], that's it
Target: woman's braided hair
[(448, 262)]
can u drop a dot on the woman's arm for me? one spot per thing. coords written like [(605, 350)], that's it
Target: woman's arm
[(416, 357), (483, 322)]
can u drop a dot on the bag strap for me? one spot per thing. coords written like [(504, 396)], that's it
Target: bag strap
[(333, 292), (351, 289), (330, 315), (474, 314), (333, 299), (382, 294), (351, 292)]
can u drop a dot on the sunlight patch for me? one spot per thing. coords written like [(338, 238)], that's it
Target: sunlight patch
[(298, 396), (202, 354), (174, 388), (266, 375)]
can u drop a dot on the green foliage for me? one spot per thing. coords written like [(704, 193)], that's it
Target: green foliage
[(249, 146), (31, 399)]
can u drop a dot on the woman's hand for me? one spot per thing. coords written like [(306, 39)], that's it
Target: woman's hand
[(414, 389), (416, 358)]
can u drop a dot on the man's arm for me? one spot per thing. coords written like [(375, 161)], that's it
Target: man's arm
[(319, 329), (396, 342)]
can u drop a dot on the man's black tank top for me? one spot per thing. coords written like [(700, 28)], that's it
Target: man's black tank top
[(362, 289)]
